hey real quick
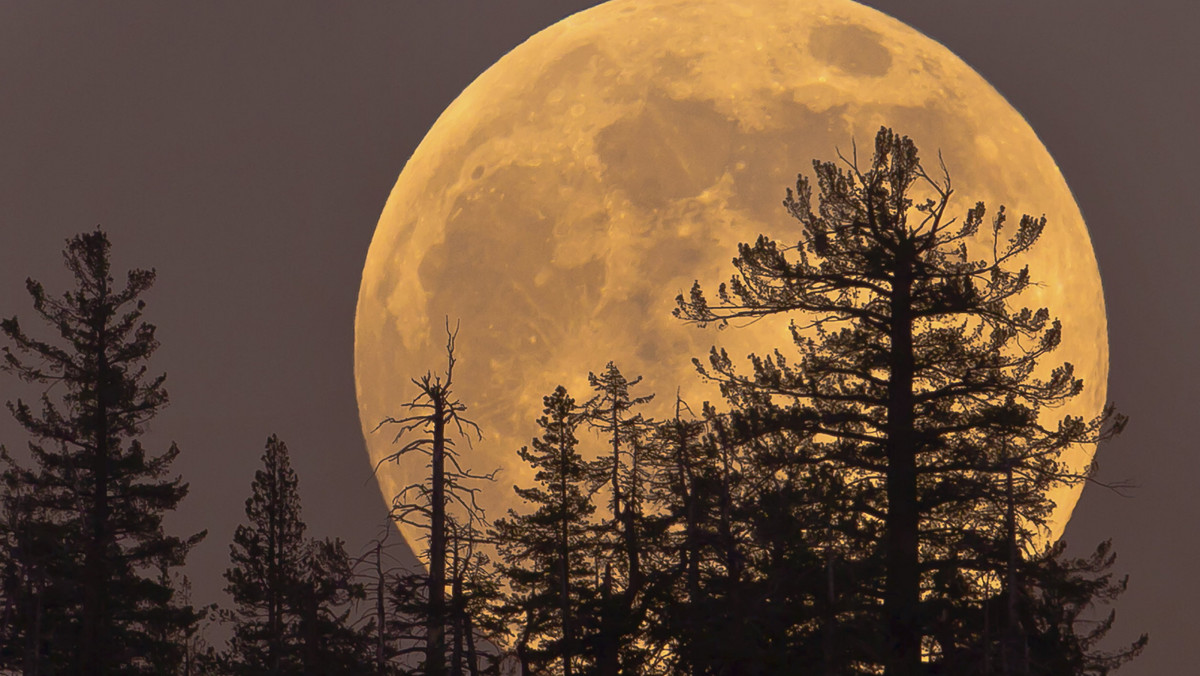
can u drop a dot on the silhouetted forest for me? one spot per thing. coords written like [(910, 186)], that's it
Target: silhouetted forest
[(870, 498)]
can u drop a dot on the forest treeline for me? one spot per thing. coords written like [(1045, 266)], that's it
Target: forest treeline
[(871, 498)]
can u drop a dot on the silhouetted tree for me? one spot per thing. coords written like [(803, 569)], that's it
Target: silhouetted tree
[(1053, 606), (475, 595), (267, 562), (745, 566), (182, 647), (290, 593), (473, 622), (623, 469), (679, 491), (380, 574), (546, 551), (698, 596), (435, 415), (88, 513), (36, 597), (912, 363), (330, 643)]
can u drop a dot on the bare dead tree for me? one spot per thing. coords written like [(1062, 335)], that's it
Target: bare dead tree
[(432, 413)]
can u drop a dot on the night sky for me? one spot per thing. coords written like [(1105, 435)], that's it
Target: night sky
[(245, 150)]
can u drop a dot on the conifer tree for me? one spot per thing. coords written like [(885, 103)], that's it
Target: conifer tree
[(89, 510), (290, 592), (34, 595), (913, 359), (267, 564), (327, 594), (731, 489), (612, 412), (545, 551), (183, 649), (741, 585), (1053, 606), (624, 471), (683, 507), (397, 604)]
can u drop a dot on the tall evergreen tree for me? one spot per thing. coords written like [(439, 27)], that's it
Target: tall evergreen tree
[(546, 551), (182, 646), (683, 507), (915, 362), (612, 411), (97, 605), (289, 592), (744, 579), (623, 471), (267, 557), (35, 596), (696, 587)]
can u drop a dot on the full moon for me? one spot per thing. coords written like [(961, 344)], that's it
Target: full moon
[(561, 202)]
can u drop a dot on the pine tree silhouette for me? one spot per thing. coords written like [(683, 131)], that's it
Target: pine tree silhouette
[(913, 359), (85, 521), (546, 551), (290, 592)]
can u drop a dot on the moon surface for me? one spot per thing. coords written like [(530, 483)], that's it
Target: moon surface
[(561, 202)]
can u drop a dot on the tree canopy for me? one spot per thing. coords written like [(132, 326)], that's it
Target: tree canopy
[(870, 497)]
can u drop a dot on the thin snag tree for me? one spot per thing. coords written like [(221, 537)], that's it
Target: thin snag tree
[(434, 415)]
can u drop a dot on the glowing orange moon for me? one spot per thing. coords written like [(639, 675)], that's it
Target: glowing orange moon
[(563, 199)]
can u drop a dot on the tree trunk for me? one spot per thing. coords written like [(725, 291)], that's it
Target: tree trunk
[(828, 634), (630, 524), (94, 642), (616, 468), (380, 612), (274, 582), (692, 554), (472, 654), (725, 524), (309, 633), (435, 625), (523, 645), (564, 573), (33, 637), (607, 662), (902, 590), (457, 612), (1014, 657)]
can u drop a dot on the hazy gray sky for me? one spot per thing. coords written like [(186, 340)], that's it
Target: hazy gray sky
[(245, 150)]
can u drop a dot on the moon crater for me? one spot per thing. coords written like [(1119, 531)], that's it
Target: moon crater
[(854, 50)]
